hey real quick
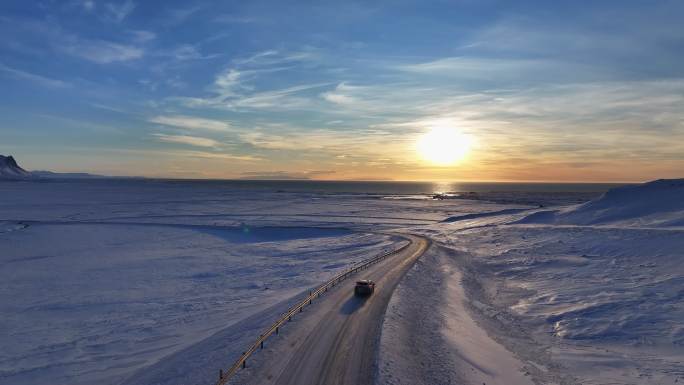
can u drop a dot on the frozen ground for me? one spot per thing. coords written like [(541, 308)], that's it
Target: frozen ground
[(140, 282)]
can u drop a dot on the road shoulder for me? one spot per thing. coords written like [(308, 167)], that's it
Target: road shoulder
[(429, 337)]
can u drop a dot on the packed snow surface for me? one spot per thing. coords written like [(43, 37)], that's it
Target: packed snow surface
[(429, 337)]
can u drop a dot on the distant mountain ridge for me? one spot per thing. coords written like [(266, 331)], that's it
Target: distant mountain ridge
[(10, 170)]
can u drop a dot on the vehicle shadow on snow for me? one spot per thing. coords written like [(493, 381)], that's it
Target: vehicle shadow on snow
[(353, 304)]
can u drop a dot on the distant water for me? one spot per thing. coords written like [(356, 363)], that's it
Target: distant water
[(363, 187)]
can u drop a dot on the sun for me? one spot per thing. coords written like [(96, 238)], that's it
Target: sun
[(443, 145)]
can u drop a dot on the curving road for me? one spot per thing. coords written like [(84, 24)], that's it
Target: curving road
[(335, 341)]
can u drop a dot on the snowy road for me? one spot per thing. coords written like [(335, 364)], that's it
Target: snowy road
[(335, 342)]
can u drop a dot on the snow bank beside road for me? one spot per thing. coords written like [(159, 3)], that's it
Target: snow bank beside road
[(596, 289), (614, 294), (428, 337), (655, 204)]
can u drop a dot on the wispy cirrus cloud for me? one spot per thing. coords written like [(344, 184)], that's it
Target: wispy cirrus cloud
[(274, 57), (117, 12), (285, 175), (87, 5), (50, 35), (186, 139), (342, 94), (143, 36), (190, 52), (218, 156), (191, 122), (477, 72), (177, 16), (362, 144), (234, 19), (230, 92), (101, 51), (34, 78), (233, 88)]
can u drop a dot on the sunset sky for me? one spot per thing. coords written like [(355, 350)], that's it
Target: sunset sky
[(403, 90)]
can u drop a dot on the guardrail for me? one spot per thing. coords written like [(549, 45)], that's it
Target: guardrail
[(298, 308)]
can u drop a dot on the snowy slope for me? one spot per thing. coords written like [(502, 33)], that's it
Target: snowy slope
[(9, 169), (655, 204), (590, 294)]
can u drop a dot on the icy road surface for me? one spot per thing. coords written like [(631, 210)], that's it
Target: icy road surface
[(335, 341)]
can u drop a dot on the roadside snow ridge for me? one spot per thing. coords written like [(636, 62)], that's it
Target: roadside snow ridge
[(659, 203)]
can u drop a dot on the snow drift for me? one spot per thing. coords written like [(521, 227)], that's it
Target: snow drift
[(654, 204)]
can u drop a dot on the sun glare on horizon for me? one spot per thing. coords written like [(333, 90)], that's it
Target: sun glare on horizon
[(444, 146)]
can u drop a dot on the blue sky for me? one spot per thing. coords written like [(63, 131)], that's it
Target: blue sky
[(344, 90)]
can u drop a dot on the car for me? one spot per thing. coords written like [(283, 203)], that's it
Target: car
[(364, 287)]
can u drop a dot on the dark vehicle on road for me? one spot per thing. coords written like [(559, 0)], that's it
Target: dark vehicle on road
[(364, 287)]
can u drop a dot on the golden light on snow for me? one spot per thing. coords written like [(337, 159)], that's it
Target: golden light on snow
[(444, 145)]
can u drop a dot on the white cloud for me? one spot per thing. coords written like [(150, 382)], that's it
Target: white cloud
[(341, 95), (231, 93), (179, 16), (186, 139), (118, 12), (482, 68), (190, 52), (271, 58), (217, 155), (95, 50), (192, 122), (367, 143), (38, 79), (88, 5), (100, 51), (234, 88), (276, 99), (233, 19), (142, 36), (284, 175), (227, 83)]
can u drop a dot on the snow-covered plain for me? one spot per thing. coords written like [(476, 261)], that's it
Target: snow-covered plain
[(106, 281), (165, 282)]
